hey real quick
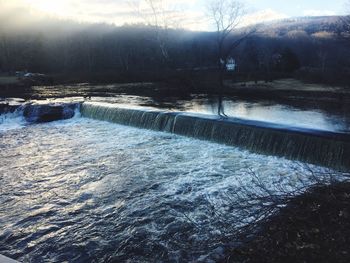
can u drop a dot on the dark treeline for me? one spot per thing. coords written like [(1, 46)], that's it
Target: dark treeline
[(312, 49)]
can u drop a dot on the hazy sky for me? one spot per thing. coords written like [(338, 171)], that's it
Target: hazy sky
[(301, 7), (189, 13)]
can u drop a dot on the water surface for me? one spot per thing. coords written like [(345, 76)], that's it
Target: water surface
[(267, 111), (82, 190)]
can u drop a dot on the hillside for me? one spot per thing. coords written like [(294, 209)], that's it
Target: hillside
[(310, 25), (309, 48)]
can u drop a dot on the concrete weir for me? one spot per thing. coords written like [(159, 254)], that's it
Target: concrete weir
[(323, 148)]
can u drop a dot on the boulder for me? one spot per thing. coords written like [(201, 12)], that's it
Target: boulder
[(7, 108), (48, 112)]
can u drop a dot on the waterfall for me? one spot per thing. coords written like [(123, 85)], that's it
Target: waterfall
[(328, 149)]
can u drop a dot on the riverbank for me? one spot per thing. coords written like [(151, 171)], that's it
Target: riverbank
[(281, 87), (287, 101), (314, 227), (289, 92)]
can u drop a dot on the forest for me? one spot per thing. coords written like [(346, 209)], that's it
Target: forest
[(312, 49)]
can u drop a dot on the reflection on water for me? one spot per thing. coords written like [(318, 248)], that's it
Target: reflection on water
[(297, 116), (82, 190), (280, 114), (260, 111)]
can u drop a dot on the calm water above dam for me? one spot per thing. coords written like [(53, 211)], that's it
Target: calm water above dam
[(85, 190), (304, 117)]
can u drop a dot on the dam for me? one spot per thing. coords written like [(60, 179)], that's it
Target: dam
[(83, 181), (330, 149)]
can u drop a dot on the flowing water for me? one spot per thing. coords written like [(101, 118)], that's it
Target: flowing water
[(324, 148), (83, 190)]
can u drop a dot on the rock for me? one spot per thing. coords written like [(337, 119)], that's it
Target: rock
[(3, 108), (48, 112), (7, 108)]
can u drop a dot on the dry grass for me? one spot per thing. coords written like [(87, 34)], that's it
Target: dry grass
[(285, 85), (314, 227)]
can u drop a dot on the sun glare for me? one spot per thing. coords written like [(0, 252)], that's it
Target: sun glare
[(48, 6)]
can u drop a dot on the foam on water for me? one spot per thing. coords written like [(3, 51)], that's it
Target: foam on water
[(312, 146), (12, 120), (16, 119), (82, 190)]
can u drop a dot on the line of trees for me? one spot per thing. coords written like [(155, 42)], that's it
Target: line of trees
[(133, 52)]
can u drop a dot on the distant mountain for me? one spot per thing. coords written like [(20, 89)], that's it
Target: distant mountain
[(308, 25)]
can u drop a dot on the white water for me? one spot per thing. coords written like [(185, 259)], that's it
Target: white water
[(11, 121), (15, 120), (82, 190)]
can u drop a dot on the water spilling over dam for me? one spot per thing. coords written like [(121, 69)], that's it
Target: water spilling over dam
[(83, 190), (318, 147), (90, 190)]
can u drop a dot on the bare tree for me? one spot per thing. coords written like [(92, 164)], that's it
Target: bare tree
[(343, 29), (162, 16), (227, 16), (347, 20), (4, 53), (241, 210)]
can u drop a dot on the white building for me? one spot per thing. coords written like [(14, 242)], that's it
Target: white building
[(230, 64)]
